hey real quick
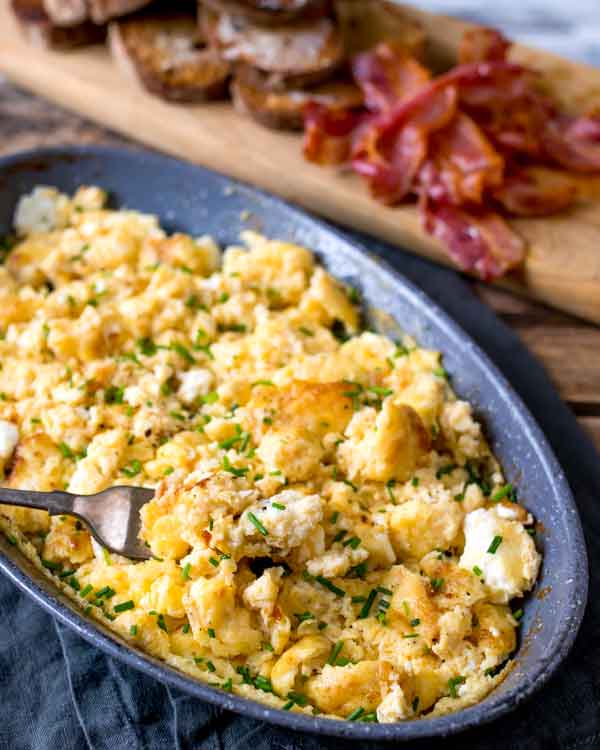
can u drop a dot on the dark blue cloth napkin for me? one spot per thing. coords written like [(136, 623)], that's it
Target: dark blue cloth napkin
[(59, 693)]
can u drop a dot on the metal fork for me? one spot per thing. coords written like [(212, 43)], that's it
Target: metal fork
[(112, 516)]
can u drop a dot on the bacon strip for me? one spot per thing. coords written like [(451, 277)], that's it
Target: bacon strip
[(328, 133), (463, 164), (466, 143), (391, 148), (388, 76), (480, 243), (574, 142)]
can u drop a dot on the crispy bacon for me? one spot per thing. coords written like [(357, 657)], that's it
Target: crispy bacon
[(535, 191), (573, 142), (391, 148), (328, 133), (481, 243), (388, 76), (482, 45), (462, 164), (479, 137)]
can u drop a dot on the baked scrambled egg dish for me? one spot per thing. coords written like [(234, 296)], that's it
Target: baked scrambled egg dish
[(330, 531)]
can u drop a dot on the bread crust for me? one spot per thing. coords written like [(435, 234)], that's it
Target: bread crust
[(290, 56), (272, 12), (39, 29), (284, 110), (161, 52)]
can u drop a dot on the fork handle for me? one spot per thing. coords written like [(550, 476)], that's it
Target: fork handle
[(54, 502)]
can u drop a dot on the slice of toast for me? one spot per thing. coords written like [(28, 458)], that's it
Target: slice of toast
[(164, 52), (41, 31), (272, 12), (75, 12), (295, 56), (284, 110)]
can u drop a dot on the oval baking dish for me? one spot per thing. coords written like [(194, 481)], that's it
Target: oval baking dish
[(198, 201)]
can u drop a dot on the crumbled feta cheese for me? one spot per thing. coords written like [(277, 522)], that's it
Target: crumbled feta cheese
[(194, 383), (9, 437)]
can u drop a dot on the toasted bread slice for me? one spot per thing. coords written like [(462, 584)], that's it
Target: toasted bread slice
[(292, 56), (365, 23), (164, 52), (74, 12), (284, 110), (272, 12), (41, 31)]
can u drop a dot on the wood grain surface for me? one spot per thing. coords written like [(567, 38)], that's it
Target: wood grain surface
[(568, 347), (563, 262)]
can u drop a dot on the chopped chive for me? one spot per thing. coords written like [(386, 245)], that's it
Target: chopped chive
[(358, 599), (383, 590), (389, 485), (371, 717), (279, 506), (366, 608), (65, 450), (304, 616), (133, 469), (185, 571), (322, 625), (160, 621), (186, 628), (330, 586), (415, 481), (267, 646), (410, 635), (169, 470), (334, 517), (124, 606), (306, 331), (210, 398), (227, 685), (353, 542), (86, 590), (518, 614), (51, 565), (133, 630), (496, 542), (505, 491), (477, 570), (210, 666), (443, 470), (340, 535), (415, 704), (255, 522), (436, 583), (263, 683), (415, 622), (237, 472), (287, 706), (105, 593), (214, 562), (211, 632), (453, 683), (335, 652), (356, 714)]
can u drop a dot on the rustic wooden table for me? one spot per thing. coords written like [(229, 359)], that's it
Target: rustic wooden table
[(569, 348)]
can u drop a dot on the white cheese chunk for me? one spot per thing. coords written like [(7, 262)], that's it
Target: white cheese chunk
[(511, 567), (9, 437)]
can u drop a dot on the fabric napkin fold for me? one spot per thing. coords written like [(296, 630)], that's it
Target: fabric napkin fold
[(57, 692)]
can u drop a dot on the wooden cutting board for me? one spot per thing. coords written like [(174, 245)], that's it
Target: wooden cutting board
[(563, 261)]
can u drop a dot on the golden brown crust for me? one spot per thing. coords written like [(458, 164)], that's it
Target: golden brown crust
[(40, 30), (165, 54), (292, 56), (272, 12), (284, 110)]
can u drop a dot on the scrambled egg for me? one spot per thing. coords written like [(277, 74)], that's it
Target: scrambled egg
[(330, 531)]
